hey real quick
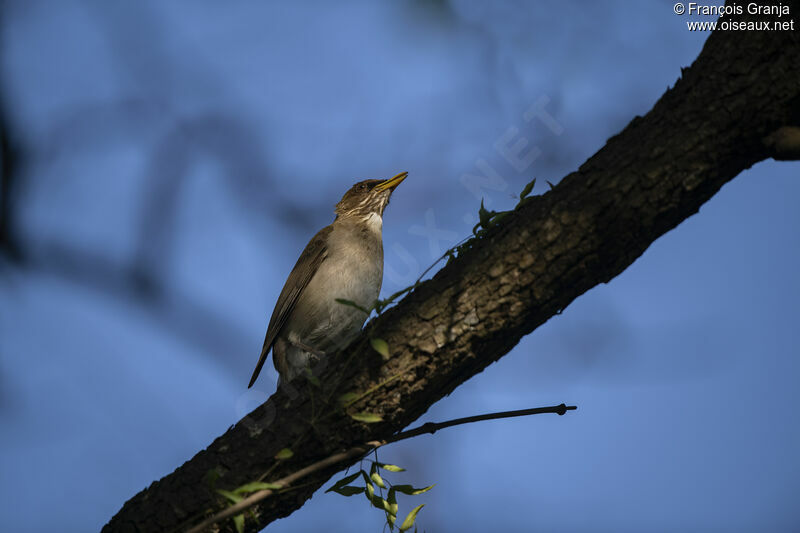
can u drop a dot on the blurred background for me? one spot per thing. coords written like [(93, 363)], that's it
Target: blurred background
[(164, 163)]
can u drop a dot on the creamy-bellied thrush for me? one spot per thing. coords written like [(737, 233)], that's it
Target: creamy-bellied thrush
[(342, 261)]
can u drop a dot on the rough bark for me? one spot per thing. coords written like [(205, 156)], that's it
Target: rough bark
[(658, 171)]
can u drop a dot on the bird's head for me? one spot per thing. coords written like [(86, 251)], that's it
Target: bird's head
[(368, 197)]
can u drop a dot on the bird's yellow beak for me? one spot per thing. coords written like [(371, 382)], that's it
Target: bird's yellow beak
[(392, 183)]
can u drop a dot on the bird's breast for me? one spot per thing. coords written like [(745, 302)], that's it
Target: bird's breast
[(352, 270)]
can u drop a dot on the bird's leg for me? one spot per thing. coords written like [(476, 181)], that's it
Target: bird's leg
[(306, 348)]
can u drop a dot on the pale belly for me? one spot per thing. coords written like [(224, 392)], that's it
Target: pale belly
[(320, 322), (336, 324)]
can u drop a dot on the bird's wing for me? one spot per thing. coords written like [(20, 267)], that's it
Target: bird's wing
[(315, 253)]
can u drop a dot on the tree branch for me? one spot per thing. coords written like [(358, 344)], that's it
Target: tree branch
[(359, 451), (591, 226)]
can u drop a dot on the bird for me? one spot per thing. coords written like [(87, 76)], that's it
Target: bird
[(342, 261)]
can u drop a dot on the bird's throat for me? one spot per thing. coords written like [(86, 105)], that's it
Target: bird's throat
[(374, 222)]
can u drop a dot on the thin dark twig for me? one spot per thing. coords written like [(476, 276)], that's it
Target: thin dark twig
[(360, 451), (433, 427)]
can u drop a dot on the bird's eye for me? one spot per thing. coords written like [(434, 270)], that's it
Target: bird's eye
[(362, 187)]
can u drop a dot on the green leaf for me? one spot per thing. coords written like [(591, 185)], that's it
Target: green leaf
[(346, 491), (366, 477), (484, 215), (410, 517), (367, 418), (376, 477), (238, 521), (391, 468), (527, 189), (256, 486), (380, 346), (340, 486), (392, 499), (347, 398), (411, 491), (344, 481), (233, 497), (285, 453), (351, 303), (379, 503), (369, 490), (499, 216)]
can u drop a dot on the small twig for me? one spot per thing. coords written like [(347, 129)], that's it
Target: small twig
[(433, 427), (357, 451)]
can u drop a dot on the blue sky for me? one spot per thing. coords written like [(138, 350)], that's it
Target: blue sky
[(180, 155)]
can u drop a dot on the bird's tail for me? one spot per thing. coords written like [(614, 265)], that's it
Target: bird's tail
[(259, 365)]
